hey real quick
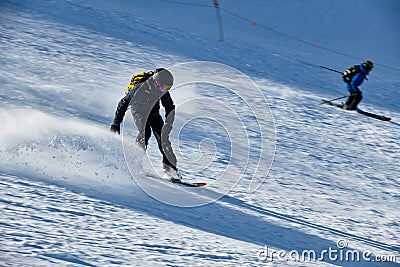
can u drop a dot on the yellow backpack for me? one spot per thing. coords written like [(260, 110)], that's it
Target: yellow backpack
[(137, 78)]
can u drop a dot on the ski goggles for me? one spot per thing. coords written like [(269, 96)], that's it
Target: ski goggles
[(162, 87)]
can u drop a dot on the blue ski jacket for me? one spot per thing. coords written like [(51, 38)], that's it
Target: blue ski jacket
[(357, 80)]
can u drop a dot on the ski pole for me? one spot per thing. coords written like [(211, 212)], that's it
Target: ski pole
[(338, 98), (325, 101), (331, 69)]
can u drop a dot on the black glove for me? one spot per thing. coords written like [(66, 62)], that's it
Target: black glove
[(166, 129), (115, 128)]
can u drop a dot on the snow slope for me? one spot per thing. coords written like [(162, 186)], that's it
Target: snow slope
[(67, 196)]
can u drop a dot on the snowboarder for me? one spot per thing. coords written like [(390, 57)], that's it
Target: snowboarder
[(353, 78), (144, 100)]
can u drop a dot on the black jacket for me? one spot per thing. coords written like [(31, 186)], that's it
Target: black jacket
[(145, 99)]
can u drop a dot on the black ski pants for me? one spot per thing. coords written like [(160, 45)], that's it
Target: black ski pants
[(353, 100), (155, 123)]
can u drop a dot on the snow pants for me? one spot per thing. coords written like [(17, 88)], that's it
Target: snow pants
[(353, 100), (155, 123)]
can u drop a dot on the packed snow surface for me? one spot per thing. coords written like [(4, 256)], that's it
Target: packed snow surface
[(286, 173)]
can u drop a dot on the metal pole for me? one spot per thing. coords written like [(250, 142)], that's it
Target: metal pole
[(331, 69), (219, 18), (327, 101)]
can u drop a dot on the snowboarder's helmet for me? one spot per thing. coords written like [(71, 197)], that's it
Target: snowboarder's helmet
[(164, 77), (368, 65)]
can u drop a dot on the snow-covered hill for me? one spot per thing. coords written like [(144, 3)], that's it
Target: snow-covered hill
[(68, 198)]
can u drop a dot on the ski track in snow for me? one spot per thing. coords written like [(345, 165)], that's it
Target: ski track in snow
[(66, 194)]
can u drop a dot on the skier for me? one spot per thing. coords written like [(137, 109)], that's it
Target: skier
[(353, 78), (144, 100)]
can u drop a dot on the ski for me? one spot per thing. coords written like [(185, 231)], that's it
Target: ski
[(372, 115), (332, 104), (365, 113)]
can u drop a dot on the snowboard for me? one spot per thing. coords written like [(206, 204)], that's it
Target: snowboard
[(185, 183), (178, 181)]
